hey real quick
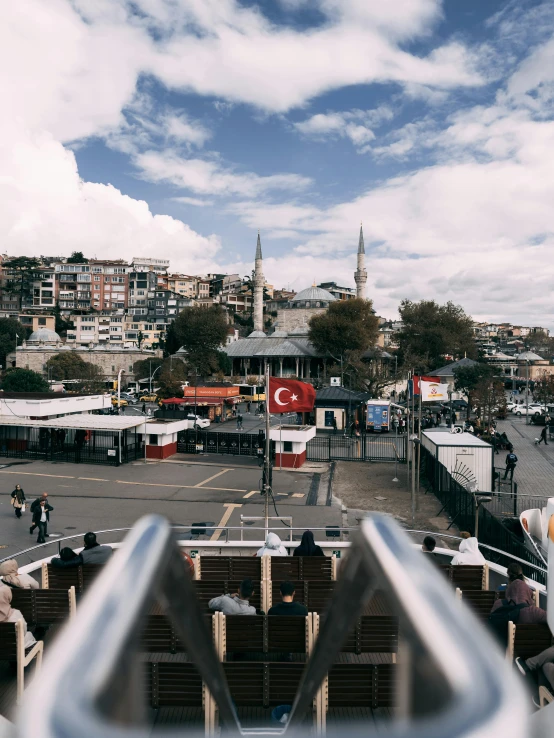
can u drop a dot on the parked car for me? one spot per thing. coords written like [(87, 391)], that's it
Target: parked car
[(122, 402), (531, 410), (148, 398), (459, 404), (131, 399), (198, 422)]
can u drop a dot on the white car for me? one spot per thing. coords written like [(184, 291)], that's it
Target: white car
[(510, 406), (195, 421), (523, 410)]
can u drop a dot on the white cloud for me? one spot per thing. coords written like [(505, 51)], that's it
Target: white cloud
[(195, 201), (355, 125)]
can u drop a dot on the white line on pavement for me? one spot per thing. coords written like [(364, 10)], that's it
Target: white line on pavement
[(250, 494), (226, 515), (209, 479)]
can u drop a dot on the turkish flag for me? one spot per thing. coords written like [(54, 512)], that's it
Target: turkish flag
[(290, 395)]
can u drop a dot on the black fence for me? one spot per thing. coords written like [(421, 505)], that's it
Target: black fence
[(236, 444), (75, 446), (460, 504), (363, 448)]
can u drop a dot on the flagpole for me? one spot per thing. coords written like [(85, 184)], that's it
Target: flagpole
[(267, 486)]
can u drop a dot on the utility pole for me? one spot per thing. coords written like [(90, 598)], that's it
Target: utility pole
[(267, 460)]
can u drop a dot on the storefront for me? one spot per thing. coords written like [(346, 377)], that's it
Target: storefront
[(214, 403)]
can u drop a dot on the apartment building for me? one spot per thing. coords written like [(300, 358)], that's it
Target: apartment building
[(101, 285), (341, 293), (182, 284), (151, 333), (102, 328)]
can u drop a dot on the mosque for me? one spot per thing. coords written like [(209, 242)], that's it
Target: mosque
[(287, 349)]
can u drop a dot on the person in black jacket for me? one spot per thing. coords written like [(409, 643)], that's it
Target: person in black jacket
[(307, 546), (34, 505), (41, 518), (288, 606), (18, 498), (67, 559)]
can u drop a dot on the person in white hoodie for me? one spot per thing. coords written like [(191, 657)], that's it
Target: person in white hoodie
[(469, 553), (272, 547)]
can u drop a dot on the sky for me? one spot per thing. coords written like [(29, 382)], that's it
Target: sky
[(178, 128)]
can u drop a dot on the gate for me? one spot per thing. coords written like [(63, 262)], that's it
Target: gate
[(236, 444), (364, 448)]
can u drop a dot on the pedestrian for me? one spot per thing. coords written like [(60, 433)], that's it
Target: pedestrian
[(34, 506), (334, 424), (144, 408), (61, 438), (542, 439), (239, 421), (41, 518), (18, 501), (248, 407), (511, 461)]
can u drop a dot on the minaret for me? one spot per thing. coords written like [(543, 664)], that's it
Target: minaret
[(259, 282), (360, 275)]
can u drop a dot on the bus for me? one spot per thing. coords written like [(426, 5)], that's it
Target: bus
[(251, 393)]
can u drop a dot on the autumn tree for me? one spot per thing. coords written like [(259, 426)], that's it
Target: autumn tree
[(9, 329), (431, 331), (490, 399), (348, 325), (543, 390), (24, 380), (171, 378), (468, 379), (202, 332)]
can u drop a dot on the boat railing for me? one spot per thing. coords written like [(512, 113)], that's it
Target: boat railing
[(451, 678)]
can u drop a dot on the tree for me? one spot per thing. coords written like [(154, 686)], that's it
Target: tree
[(172, 344), (433, 331), (543, 390), (9, 328), (69, 365), (468, 379), (140, 338), (62, 325), (171, 378), (24, 380), (202, 332), (348, 325), (24, 273), (77, 257), (143, 368), (490, 399)]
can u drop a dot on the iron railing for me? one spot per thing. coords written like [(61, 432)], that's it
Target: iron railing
[(362, 448)]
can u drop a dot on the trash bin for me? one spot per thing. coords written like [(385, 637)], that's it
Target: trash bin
[(279, 715)]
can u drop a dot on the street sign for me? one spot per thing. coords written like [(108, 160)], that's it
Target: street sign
[(335, 381), (111, 452)]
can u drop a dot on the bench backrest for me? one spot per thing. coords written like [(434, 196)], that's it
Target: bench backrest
[(466, 576), (314, 595), (361, 685), (529, 639), (80, 577), (264, 634), (258, 684), (42, 606), (480, 601), (229, 568), (373, 634), (300, 568), (159, 635), (173, 684), (8, 642), (206, 590)]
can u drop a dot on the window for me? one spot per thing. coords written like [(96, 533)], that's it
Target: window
[(97, 279), (107, 279), (152, 439), (113, 368), (287, 447), (42, 321), (130, 367), (89, 319), (140, 293), (97, 270), (119, 270)]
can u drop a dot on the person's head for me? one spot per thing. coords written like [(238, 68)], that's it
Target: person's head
[(272, 541), (429, 544), (465, 535), (8, 568), (307, 539), (66, 554), (17, 486), (44, 496), (42, 503), (246, 589), (287, 591), (515, 572), (90, 540)]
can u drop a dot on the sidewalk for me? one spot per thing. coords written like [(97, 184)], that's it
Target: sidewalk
[(232, 461), (534, 472)]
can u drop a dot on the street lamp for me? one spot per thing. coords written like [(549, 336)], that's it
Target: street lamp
[(395, 448), (153, 374), (526, 391)]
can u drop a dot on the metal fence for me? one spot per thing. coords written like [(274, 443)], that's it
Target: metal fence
[(362, 448), (460, 504), (90, 447), (236, 444)]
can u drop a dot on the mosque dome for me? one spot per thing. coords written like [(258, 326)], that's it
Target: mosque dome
[(257, 334), (313, 295), (279, 334), (44, 335)]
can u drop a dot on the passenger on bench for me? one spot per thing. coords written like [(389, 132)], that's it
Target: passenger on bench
[(272, 546), (10, 615), (519, 592), (308, 546), (93, 552), (469, 553), (288, 606), (429, 544), (11, 576), (67, 559), (543, 663), (235, 604)]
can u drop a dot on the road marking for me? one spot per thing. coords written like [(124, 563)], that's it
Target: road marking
[(35, 474), (250, 494), (297, 494), (226, 515), (209, 479), (94, 479)]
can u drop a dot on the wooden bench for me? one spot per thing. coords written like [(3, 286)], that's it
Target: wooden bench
[(206, 590), (228, 568), (361, 685), (80, 577), (314, 595), (373, 634), (12, 648), (301, 568), (480, 601), (173, 684), (262, 684), (159, 635), (265, 634), (467, 577), (527, 639), (44, 607), (545, 696)]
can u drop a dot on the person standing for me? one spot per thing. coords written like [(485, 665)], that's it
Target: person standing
[(334, 424), (511, 461), (248, 407), (18, 500), (144, 408), (542, 439), (34, 506), (239, 421), (41, 518)]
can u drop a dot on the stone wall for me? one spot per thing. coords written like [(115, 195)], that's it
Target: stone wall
[(291, 318)]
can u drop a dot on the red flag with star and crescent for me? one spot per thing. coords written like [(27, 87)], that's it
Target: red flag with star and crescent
[(290, 395)]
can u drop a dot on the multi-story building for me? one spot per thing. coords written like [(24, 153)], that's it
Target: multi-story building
[(104, 327), (341, 293), (142, 288), (101, 285), (167, 306), (182, 284), (150, 332)]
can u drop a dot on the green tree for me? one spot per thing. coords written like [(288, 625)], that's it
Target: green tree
[(431, 331), (77, 257), (62, 325), (69, 365), (468, 379), (9, 328), (140, 338), (172, 344), (24, 380), (143, 368), (20, 282), (171, 378), (347, 326), (202, 332)]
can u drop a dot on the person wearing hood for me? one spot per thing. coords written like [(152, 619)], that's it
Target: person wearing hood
[(308, 546), (272, 547), (11, 576), (9, 615), (67, 559), (519, 592), (235, 604), (468, 553)]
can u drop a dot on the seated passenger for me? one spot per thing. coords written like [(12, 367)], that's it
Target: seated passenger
[(429, 544), (518, 592), (67, 559), (288, 606), (308, 546), (11, 577), (543, 663), (469, 553), (9, 615), (235, 604), (272, 547), (93, 552)]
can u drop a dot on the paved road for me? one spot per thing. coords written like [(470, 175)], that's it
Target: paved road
[(90, 497)]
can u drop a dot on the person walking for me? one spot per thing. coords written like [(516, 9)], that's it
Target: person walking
[(542, 439), (34, 505), (41, 518), (144, 408), (18, 500), (239, 421), (334, 425), (511, 461), (248, 407)]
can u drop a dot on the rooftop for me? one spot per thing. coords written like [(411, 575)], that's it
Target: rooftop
[(80, 420)]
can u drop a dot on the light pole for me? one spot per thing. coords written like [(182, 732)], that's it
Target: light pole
[(395, 448), (526, 391), (157, 369)]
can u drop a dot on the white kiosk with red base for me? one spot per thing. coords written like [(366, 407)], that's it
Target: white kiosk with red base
[(290, 444)]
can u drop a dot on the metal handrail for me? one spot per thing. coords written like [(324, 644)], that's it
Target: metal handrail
[(451, 676)]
